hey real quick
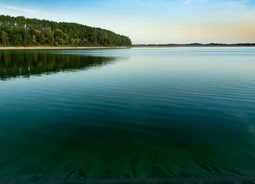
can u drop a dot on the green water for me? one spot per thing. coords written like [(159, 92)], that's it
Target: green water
[(155, 114)]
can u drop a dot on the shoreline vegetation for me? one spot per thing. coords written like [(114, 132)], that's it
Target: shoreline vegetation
[(59, 48), (26, 32), (123, 47)]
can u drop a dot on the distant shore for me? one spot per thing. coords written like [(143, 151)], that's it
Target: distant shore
[(58, 48), (133, 46), (197, 45)]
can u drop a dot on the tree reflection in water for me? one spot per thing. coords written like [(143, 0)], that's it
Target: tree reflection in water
[(15, 64)]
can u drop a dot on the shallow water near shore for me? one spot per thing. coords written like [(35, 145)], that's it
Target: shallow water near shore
[(141, 113)]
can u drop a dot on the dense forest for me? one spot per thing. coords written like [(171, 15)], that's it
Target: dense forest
[(21, 31)]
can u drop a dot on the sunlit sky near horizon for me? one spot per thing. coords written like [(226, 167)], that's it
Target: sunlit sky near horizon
[(150, 21)]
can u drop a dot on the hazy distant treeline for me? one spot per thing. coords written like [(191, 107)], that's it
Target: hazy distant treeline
[(20, 31), (198, 45)]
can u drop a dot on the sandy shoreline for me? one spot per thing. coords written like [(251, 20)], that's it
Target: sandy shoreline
[(58, 48)]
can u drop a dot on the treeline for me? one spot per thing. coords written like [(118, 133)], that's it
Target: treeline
[(21, 31)]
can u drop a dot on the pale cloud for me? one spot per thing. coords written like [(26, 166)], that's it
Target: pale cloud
[(17, 9)]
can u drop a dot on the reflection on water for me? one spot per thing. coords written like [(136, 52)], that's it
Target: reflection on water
[(25, 64), (158, 115)]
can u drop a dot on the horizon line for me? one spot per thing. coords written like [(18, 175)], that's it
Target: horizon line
[(194, 44)]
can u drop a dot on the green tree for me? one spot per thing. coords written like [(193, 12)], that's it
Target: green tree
[(20, 31), (4, 38)]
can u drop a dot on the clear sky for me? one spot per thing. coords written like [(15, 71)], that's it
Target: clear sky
[(150, 21)]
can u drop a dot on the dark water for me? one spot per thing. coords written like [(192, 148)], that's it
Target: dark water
[(177, 113)]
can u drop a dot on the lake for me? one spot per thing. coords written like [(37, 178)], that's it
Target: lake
[(166, 114)]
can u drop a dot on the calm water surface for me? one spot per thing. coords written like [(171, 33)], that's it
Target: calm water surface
[(153, 113)]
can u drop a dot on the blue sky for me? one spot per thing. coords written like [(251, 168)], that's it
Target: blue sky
[(150, 21)]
